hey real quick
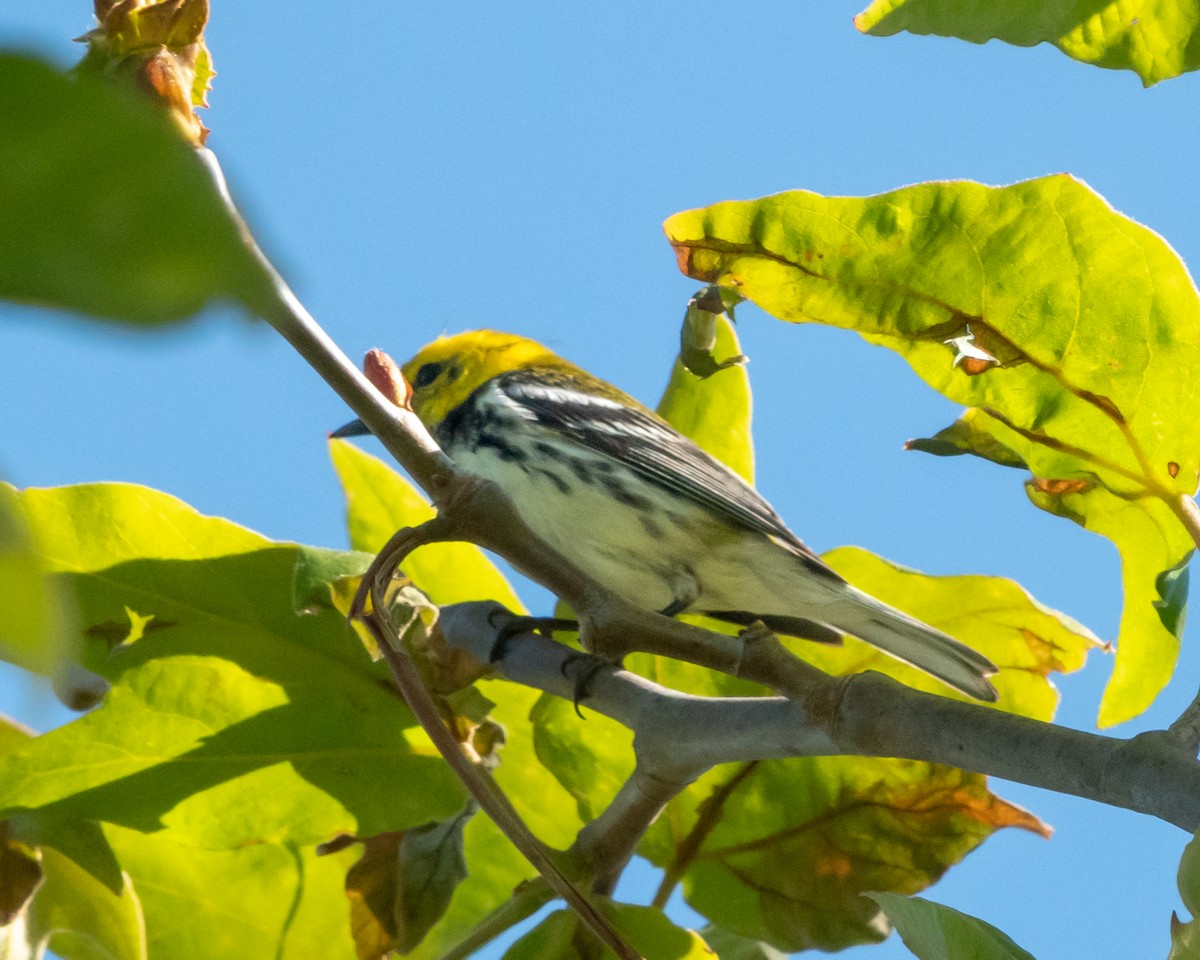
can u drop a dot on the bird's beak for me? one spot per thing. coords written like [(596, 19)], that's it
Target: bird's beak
[(355, 428)]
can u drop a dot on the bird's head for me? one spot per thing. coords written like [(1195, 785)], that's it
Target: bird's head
[(446, 372)]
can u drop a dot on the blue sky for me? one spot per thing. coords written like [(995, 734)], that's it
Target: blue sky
[(419, 169)]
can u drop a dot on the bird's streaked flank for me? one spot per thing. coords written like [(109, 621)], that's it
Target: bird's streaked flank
[(643, 510)]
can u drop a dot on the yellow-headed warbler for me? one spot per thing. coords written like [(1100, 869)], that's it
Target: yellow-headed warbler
[(642, 509)]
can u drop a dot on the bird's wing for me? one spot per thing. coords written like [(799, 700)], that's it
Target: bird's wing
[(654, 450)]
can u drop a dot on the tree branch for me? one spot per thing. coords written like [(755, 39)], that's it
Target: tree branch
[(862, 715)]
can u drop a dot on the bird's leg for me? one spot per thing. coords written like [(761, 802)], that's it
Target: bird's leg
[(676, 607)]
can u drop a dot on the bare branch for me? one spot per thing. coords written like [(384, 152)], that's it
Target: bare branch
[(863, 715)]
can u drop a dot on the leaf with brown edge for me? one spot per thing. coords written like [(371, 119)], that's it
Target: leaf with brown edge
[(782, 851), (371, 886), (1092, 319), (402, 884), (994, 615)]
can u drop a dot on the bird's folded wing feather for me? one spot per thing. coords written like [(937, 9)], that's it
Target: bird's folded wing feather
[(654, 450)]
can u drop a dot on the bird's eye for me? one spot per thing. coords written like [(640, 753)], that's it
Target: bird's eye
[(428, 373)]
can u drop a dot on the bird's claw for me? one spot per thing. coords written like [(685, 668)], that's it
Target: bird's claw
[(583, 678), (543, 625)]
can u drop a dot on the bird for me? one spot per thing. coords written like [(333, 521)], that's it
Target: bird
[(643, 510)]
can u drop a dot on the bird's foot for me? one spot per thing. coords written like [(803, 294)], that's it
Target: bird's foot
[(755, 632), (543, 625), (583, 668)]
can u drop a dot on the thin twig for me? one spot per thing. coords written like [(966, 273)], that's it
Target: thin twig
[(489, 797)]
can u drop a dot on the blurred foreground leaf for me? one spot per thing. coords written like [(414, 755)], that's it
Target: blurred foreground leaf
[(106, 211), (1155, 39), (935, 932), (1037, 304)]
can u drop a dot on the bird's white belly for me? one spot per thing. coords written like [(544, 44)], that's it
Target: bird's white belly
[(662, 552)]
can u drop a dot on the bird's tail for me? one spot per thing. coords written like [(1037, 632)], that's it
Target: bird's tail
[(914, 642)]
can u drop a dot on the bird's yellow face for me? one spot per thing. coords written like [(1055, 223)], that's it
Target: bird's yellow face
[(447, 371)]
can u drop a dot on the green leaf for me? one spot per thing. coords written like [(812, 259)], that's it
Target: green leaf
[(432, 864), (36, 628), (379, 502), (1147, 535), (495, 872), (936, 932), (781, 852), (1185, 939), (401, 885), (993, 615), (1188, 878), (647, 929), (729, 946), (80, 918), (106, 210), (591, 758), (12, 733), (1156, 40), (264, 900), (231, 720), (1036, 304)]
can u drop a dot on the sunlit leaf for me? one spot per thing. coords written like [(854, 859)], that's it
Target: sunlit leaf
[(264, 900), (648, 931), (232, 719), (1067, 323), (77, 916), (729, 946), (1157, 40), (379, 502), (106, 210), (936, 932), (782, 851), (714, 412), (36, 628), (993, 615), (591, 758), (1155, 550)]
